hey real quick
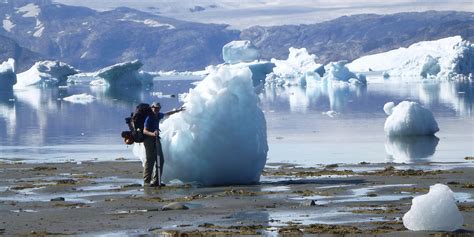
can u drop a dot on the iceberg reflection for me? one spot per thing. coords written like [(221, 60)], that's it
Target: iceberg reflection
[(410, 149)]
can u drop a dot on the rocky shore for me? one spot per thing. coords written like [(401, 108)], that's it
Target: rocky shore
[(94, 198)]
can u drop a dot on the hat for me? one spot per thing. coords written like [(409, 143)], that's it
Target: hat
[(155, 104)]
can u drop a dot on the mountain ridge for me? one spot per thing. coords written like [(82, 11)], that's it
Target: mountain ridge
[(89, 40)]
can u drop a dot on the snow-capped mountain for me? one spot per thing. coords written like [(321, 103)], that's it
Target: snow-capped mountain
[(89, 39)]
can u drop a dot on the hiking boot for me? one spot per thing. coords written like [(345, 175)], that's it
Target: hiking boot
[(154, 184)]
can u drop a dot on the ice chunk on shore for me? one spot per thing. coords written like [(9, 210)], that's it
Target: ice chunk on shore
[(45, 73), (125, 74), (410, 119), (80, 98), (435, 211), (445, 58), (221, 137), (7, 74), (240, 51), (337, 71)]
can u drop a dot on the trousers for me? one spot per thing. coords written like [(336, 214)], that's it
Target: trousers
[(154, 152)]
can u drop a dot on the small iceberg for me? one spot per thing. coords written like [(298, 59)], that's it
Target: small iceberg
[(45, 73), (337, 71), (125, 75), (435, 211), (240, 51), (80, 98), (409, 119), (7, 74), (296, 69)]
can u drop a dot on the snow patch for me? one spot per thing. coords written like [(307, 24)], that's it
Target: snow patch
[(410, 119), (221, 137), (39, 32), (435, 211), (29, 10), (8, 24), (151, 23)]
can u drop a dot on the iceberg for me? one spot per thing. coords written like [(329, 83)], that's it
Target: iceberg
[(80, 98), (45, 73), (125, 74), (337, 71), (7, 74), (435, 211), (409, 119), (296, 70), (445, 59), (299, 62), (240, 51), (221, 138), (259, 70)]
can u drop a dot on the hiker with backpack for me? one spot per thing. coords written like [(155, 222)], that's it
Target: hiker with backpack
[(151, 139)]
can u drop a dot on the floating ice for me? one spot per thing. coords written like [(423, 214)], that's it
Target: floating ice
[(444, 58), (298, 63), (337, 71), (7, 74), (259, 70), (410, 119), (45, 73), (125, 74), (240, 51), (435, 211), (80, 98), (221, 137)]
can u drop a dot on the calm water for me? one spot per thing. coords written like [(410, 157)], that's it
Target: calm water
[(37, 126)]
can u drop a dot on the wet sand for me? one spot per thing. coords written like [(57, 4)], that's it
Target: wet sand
[(94, 198)]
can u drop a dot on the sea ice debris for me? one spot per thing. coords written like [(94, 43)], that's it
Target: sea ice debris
[(435, 211)]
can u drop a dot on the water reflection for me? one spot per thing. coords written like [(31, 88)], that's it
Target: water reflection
[(410, 149), (325, 96), (458, 95)]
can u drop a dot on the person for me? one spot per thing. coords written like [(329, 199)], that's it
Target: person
[(152, 144)]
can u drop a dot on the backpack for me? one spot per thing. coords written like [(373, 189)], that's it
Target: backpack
[(136, 123)]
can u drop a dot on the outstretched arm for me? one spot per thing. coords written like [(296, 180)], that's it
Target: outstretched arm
[(175, 111)]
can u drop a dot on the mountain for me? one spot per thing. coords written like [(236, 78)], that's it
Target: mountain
[(90, 39), (351, 37), (24, 58)]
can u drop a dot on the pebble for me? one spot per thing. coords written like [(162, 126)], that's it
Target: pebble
[(174, 206)]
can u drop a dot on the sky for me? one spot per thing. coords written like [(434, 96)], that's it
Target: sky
[(242, 14)]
